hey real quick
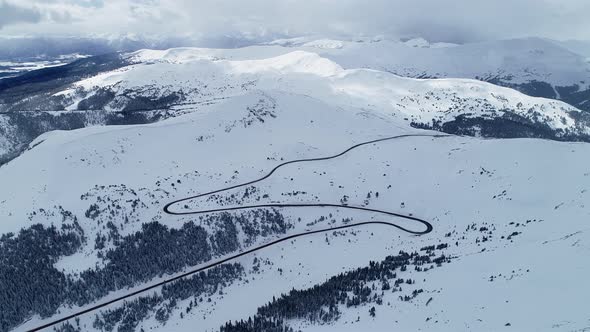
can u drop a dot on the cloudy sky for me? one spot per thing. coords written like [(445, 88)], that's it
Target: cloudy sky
[(436, 20)]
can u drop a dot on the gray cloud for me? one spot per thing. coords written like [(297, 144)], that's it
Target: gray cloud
[(62, 17), (436, 20), (12, 14)]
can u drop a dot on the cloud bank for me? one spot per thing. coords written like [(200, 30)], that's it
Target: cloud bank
[(12, 14), (436, 20)]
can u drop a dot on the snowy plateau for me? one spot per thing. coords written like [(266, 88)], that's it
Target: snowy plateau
[(503, 178)]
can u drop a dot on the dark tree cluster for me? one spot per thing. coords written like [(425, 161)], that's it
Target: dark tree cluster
[(128, 316), (27, 259), (256, 324), (510, 125), (29, 283), (254, 224), (151, 252), (225, 239), (320, 303)]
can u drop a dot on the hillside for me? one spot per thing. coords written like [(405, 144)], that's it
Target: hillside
[(148, 86), (535, 66), (104, 188)]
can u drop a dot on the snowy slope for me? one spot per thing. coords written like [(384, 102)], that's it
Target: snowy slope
[(181, 79), (459, 184), (199, 78), (535, 66)]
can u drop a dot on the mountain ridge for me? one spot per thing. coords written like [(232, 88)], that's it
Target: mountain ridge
[(176, 81)]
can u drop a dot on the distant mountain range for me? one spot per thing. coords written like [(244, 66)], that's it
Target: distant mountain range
[(535, 66), (49, 48)]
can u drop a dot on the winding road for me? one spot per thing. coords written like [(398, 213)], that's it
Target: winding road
[(167, 209)]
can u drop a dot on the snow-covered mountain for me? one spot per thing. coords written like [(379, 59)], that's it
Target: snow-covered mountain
[(535, 66), (103, 188), (84, 222), (149, 85)]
